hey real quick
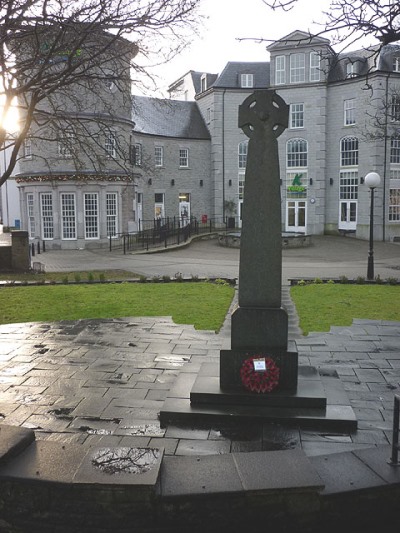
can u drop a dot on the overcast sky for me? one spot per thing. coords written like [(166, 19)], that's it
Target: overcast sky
[(229, 20)]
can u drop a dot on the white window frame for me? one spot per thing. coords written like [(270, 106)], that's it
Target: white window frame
[(349, 149), (47, 216), (112, 214), (297, 68), (91, 215), (110, 144), (183, 158), (396, 64), (203, 83), (394, 204), (315, 66), (138, 154), (280, 70), (30, 207), (297, 153), (296, 116), (349, 110), (247, 81), (350, 70), (242, 154), (159, 156), (68, 216), (395, 150)]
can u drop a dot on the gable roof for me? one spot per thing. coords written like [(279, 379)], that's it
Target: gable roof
[(168, 118), (297, 39), (230, 76)]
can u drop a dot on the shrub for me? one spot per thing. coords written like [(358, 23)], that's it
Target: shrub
[(195, 278), (90, 277), (317, 280), (343, 279), (102, 277), (65, 280), (178, 277), (392, 281), (301, 282), (378, 279), (142, 279), (360, 280), (77, 277), (220, 281), (330, 282), (166, 279)]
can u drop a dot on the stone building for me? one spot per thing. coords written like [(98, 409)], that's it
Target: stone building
[(189, 156)]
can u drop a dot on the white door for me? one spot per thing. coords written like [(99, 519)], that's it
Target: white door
[(296, 215), (348, 215)]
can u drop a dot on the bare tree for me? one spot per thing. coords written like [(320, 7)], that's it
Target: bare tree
[(60, 58), (351, 20)]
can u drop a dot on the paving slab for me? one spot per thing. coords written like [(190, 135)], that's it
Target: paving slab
[(13, 441)]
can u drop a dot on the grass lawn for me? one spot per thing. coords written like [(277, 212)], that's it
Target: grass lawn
[(199, 303), (321, 306)]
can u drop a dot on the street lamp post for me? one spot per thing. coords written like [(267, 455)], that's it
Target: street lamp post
[(372, 180)]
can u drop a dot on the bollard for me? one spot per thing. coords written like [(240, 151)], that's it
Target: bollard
[(33, 249), (38, 248), (44, 246)]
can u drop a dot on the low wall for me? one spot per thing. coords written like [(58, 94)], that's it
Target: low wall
[(15, 254), (289, 240)]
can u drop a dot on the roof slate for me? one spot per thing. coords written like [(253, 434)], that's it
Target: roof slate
[(230, 76), (168, 118)]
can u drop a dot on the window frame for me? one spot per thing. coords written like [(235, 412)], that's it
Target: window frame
[(242, 154), (297, 158), (296, 116), (91, 215), (110, 144), (349, 155), (112, 214), (247, 80), (65, 144), (349, 112), (183, 157), (280, 73), (47, 215), (395, 150), (395, 108), (28, 147), (394, 206), (315, 69), (68, 216), (158, 156), (297, 68), (30, 208)]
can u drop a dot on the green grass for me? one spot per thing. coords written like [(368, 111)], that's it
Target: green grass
[(61, 276), (202, 304), (321, 306)]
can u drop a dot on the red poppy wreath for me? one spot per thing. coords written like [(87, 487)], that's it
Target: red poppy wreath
[(259, 381)]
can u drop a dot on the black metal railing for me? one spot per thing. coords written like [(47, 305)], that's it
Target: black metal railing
[(165, 232)]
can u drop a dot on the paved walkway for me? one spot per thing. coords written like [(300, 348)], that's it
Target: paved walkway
[(103, 382)]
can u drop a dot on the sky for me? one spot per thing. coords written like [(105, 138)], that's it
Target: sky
[(230, 20)]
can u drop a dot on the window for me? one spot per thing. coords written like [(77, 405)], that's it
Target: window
[(280, 70), (297, 150), (68, 216), (91, 213), (350, 70), (247, 80), (395, 150), (66, 143), (208, 115), (111, 144), (349, 152), (296, 185), (184, 157), (350, 112), (241, 184), (315, 66), (159, 206), (394, 205), (296, 116), (137, 150), (348, 185), (203, 83), (297, 68), (111, 214), (396, 64), (28, 148), (46, 209), (159, 156), (242, 154), (31, 215), (395, 108)]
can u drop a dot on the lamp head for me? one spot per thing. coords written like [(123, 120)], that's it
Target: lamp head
[(372, 180)]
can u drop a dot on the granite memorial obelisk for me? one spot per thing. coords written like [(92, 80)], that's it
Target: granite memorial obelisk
[(259, 324)]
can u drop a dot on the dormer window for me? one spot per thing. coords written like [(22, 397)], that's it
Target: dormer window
[(280, 70), (396, 64), (203, 82), (350, 70), (247, 80), (297, 68)]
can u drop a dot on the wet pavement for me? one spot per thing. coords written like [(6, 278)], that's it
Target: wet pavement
[(106, 380)]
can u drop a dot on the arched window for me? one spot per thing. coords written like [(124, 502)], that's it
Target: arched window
[(349, 152), (242, 154), (297, 152)]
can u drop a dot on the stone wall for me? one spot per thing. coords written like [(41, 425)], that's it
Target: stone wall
[(17, 256)]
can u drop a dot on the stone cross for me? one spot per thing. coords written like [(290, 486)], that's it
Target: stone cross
[(263, 116)]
